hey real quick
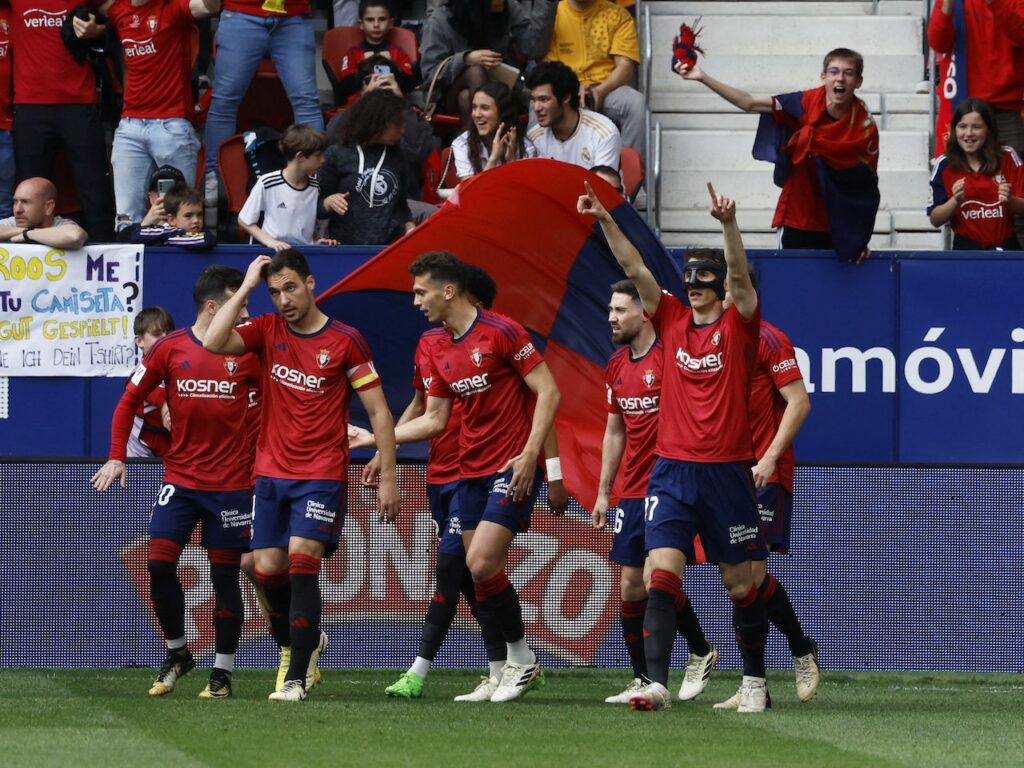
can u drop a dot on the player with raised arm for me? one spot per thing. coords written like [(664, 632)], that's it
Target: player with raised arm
[(311, 365), (779, 404), (701, 480), (488, 362), (206, 476), (633, 380)]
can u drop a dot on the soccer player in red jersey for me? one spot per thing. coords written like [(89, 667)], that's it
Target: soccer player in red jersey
[(451, 574), (633, 380), (206, 476), (778, 407), (701, 481), (311, 366), (487, 362)]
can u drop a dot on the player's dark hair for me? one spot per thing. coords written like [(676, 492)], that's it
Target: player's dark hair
[(385, 4), (607, 170), (181, 194), (508, 113), (301, 138), (848, 55), (289, 258), (714, 255), (627, 287), (153, 319), (563, 81), (441, 266), (214, 282), (480, 285), (369, 116), (990, 152)]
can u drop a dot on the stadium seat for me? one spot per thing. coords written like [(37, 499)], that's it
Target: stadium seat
[(266, 102), (233, 167), (632, 168), (338, 41)]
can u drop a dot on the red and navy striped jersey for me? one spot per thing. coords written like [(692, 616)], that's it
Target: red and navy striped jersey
[(208, 396), (633, 388), (443, 456), (980, 217), (305, 389), (484, 369), (775, 368), (706, 390)]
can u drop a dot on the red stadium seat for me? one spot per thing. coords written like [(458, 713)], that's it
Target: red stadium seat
[(632, 169), (233, 167), (266, 102)]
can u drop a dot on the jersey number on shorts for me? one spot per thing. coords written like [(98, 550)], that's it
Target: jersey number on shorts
[(650, 504), (165, 495), (620, 515)]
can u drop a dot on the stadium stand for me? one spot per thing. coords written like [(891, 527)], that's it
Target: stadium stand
[(704, 137)]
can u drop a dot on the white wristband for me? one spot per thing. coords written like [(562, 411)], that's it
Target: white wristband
[(554, 469)]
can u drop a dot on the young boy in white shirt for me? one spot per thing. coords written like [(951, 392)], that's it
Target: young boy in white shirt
[(287, 199)]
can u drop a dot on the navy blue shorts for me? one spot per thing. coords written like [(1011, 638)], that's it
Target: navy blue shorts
[(226, 516), (312, 509), (444, 505), (715, 500), (775, 511), (627, 523), (485, 498)]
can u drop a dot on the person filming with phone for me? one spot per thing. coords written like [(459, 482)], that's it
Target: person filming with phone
[(175, 215), (34, 221)]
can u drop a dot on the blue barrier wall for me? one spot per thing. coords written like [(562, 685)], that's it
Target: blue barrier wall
[(892, 569), (911, 357)]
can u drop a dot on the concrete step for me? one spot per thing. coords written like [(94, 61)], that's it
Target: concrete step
[(741, 121), (755, 189), (778, 73), (661, 8), (730, 150), (759, 35)]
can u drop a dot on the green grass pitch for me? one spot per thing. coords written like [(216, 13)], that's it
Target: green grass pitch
[(103, 717)]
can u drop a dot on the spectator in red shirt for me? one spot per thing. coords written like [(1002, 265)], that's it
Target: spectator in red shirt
[(158, 38), (55, 104), (824, 144), (992, 42), (376, 20), (977, 185)]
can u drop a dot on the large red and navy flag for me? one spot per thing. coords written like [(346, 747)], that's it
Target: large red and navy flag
[(553, 269)]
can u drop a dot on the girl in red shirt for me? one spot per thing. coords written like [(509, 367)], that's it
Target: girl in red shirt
[(977, 185)]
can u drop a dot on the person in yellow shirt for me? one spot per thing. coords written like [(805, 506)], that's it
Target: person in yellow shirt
[(597, 40)]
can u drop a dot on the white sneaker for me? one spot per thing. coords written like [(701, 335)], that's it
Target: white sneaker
[(517, 679), (753, 695), (483, 691), (808, 674), (733, 702), (653, 697), (292, 690), (698, 670), (635, 686), (312, 671)]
